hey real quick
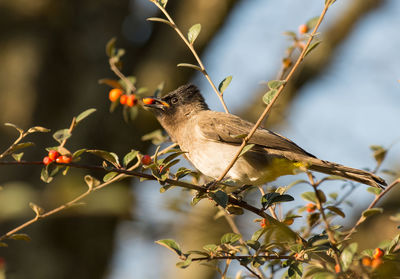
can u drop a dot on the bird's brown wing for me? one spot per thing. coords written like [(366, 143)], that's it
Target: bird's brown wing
[(228, 128)]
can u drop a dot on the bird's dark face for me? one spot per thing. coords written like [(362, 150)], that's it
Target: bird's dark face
[(177, 105)]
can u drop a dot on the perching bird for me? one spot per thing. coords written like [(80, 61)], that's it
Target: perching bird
[(211, 139)]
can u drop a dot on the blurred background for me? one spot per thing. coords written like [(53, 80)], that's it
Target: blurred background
[(344, 98)]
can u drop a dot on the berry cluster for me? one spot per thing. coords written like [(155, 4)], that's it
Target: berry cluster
[(376, 259), (54, 155), (116, 94)]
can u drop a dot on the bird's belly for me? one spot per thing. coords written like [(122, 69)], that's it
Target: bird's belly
[(252, 168)]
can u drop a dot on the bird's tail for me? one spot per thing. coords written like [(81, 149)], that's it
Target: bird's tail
[(330, 168)]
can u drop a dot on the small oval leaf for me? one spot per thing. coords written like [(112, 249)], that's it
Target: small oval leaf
[(194, 31), (224, 84)]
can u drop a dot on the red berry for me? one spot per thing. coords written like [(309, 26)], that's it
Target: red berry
[(311, 207), (131, 101), (146, 160), (378, 253), (53, 154), (64, 159), (264, 223), (123, 99), (114, 94), (303, 29), (47, 160), (376, 262), (337, 268), (366, 261)]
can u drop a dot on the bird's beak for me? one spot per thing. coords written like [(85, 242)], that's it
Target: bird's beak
[(154, 103)]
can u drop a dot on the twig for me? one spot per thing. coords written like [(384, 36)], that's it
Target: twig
[(373, 203), (269, 106), (78, 198), (196, 56), (320, 207), (129, 85)]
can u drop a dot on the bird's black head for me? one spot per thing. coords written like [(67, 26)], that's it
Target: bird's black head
[(180, 103)]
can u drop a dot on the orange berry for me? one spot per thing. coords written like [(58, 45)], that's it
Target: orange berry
[(148, 101), (53, 154), (64, 159), (337, 268), (131, 101), (47, 160), (376, 262), (303, 29), (264, 223), (123, 99), (146, 160), (287, 62), (311, 207), (114, 94), (366, 261), (378, 253)]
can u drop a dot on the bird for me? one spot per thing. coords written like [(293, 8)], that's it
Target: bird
[(210, 140)]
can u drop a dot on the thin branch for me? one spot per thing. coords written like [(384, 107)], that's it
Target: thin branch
[(196, 56), (269, 106), (321, 209), (129, 85), (373, 203)]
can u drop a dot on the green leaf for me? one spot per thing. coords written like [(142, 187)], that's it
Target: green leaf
[(129, 157), (291, 34), (190, 66), (347, 255), (78, 153), (253, 244), (313, 218), (372, 211), (230, 238), (335, 195), (173, 156), (37, 209), (220, 197), (15, 127), (163, 3), (374, 190), (379, 153), (84, 114), (171, 245), (44, 175), (309, 196), (184, 264), (17, 156), (109, 176), (257, 234), (157, 19), (311, 47), (20, 236), (210, 247), (194, 31), (321, 196), (246, 149), (234, 210), (38, 129), (62, 135), (108, 156), (270, 198), (110, 47), (312, 22), (182, 172), (393, 244), (19, 146), (267, 98), (156, 137), (275, 84), (91, 181), (127, 83), (224, 84), (337, 210)]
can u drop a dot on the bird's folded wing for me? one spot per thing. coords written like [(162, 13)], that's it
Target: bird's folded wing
[(228, 128)]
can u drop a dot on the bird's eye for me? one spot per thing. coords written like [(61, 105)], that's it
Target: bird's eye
[(174, 100)]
